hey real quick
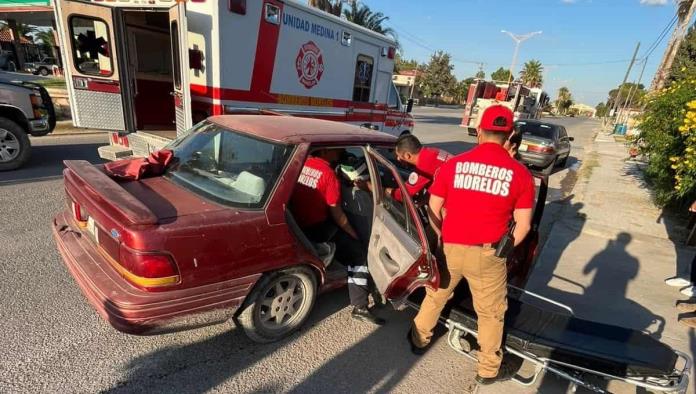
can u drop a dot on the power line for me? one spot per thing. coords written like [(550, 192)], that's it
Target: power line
[(659, 38)]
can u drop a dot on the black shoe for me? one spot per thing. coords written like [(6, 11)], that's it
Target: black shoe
[(364, 314), (418, 351), (504, 373)]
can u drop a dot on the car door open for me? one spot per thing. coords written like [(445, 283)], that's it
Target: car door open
[(398, 258)]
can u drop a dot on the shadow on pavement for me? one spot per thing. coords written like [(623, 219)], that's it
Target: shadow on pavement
[(613, 268), (47, 161), (200, 367), (441, 120)]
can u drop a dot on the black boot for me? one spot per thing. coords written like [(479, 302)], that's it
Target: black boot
[(364, 314), (418, 351), (504, 373)]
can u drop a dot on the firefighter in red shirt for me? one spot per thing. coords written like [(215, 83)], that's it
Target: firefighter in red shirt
[(316, 205), (425, 161), (473, 199)]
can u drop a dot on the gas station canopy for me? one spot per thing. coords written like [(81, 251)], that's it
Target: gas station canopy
[(31, 12)]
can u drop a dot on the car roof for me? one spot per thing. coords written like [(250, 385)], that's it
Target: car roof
[(538, 122), (295, 130)]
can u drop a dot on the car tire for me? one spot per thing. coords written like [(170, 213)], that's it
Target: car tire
[(43, 71), (263, 315), (15, 147)]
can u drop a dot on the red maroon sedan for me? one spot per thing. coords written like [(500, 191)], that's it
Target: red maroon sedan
[(212, 238)]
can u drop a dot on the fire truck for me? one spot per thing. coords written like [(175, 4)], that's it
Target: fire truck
[(148, 69), (525, 102)]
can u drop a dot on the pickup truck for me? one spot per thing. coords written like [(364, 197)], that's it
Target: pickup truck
[(25, 109)]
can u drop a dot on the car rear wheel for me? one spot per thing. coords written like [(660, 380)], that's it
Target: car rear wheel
[(279, 304), (549, 169), (14, 145), (562, 163), (43, 71)]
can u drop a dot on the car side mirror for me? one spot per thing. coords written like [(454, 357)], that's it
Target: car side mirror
[(571, 138), (409, 106)]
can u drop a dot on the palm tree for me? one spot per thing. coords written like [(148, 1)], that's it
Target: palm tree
[(333, 7), (362, 15), (565, 100), (532, 74)]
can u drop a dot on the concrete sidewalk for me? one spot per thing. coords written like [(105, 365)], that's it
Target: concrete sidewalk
[(608, 254)]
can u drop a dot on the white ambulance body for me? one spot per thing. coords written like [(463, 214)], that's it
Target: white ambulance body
[(148, 69)]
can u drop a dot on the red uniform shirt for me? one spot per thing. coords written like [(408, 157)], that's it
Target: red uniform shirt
[(317, 189), (429, 162), (481, 189)]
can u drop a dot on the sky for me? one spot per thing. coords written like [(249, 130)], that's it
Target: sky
[(575, 33)]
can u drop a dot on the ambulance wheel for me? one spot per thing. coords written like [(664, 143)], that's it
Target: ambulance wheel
[(279, 304), (15, 146)]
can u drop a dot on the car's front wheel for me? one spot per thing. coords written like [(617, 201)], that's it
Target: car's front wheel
[(279, 304), (14, 145), (43, 71)]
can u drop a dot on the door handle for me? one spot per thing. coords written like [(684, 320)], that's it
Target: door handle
[(390, 265)]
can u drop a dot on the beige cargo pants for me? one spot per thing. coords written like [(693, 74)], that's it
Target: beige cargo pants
[(487, 278)]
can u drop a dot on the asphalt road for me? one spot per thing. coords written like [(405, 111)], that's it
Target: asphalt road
[(54, 342)]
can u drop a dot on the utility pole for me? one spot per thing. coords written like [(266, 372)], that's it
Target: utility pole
[(519, 39), (615, 107), (685, 12), (633, 90)]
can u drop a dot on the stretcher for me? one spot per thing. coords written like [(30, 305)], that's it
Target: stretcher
[(577, 350)]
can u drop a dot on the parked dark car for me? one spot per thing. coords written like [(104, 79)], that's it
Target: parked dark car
[(25, 109), (212, 238), (544, 145)]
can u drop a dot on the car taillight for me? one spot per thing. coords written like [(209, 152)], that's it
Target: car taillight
[(540, 149), (147, 270), (79, 214)]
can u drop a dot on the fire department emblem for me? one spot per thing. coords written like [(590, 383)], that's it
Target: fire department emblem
[(309, 65)]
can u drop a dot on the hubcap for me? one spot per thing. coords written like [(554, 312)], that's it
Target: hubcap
[(9, 146), (282, 303)]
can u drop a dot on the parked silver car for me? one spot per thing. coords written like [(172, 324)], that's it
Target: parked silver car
[(544, 145)]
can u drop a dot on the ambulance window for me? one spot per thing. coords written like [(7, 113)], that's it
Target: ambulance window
[(176, 58), (90, 44), (363, 79), (393, 97)]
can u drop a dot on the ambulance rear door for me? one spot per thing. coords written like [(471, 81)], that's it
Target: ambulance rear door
[(399, 258), (180, 62), (91, 65)]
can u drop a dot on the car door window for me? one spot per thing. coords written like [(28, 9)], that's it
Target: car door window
[(398, 257)]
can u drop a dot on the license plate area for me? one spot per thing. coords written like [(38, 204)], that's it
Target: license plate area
[(92, 229), (523, 147)]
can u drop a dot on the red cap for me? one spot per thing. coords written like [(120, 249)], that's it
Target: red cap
[(497, 118)]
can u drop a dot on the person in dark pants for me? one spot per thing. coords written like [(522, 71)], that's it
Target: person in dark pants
[(688, 285), (316, 205)]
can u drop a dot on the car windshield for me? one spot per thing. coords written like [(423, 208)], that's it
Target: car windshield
[(536, 129), (226, 166)]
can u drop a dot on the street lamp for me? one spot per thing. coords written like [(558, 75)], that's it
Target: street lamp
[(519, 39)]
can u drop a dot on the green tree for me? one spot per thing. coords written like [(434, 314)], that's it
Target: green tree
[(634, 92), (501, 75), (333, 7), (462, 90), (48, 42), (602, 110), (401, 64), (564, 100), (437, 77), (481, 74), (361, 14), (532, 74)]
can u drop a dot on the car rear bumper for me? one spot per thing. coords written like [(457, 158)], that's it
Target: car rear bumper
[(537, 159), (135, 311)]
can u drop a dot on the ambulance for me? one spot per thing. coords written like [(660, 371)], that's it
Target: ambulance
[(148, 69), (525, 102)]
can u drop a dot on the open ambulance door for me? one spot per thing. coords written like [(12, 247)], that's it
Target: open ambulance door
[(398, 258), (91, 65), (180, 62)]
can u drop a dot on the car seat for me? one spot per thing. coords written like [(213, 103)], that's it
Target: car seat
[(324, 251)]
